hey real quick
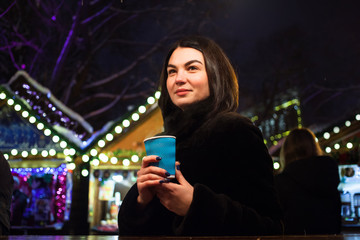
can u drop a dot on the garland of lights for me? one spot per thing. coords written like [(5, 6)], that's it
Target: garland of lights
[(349, 145), (93, 154)]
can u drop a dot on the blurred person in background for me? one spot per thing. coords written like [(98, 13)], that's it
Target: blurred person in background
[(6, 190), (19, 203), (307, 186)]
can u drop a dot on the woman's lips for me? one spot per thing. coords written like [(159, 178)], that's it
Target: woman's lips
[(182, 92)]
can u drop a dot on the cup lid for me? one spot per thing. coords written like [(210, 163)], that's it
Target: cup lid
[(160, 136)]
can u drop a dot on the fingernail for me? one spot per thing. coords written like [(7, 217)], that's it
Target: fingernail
[(167, 174), (165, 180), (158, 158), (178, 167)]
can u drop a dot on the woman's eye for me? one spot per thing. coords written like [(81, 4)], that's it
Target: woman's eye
[(192, 68), (171, 71)]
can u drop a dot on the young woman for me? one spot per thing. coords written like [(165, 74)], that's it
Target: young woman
[(225, 185), (308, 186)]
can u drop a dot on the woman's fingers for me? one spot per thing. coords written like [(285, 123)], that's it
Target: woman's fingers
[(150, 178), (153, 170), (146, 167), (147, 160)]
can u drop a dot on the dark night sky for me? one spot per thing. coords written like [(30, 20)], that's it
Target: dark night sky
[(330, 44), (313, 46)]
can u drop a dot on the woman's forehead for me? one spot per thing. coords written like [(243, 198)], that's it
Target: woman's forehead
[(183, 55)]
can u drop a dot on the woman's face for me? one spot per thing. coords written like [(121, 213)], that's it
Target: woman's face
[(187, 81)]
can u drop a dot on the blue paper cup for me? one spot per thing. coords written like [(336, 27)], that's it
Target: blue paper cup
[(164, 147)]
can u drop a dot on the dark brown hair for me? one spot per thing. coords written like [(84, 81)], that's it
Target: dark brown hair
[(300, 143), (222, 79)]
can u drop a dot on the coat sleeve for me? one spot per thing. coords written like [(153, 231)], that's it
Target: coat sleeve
[(152, 220), (247, 203)]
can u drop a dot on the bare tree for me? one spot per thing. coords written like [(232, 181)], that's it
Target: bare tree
[(98, 57)]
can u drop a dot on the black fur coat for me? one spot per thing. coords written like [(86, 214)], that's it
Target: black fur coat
[(226, 161)]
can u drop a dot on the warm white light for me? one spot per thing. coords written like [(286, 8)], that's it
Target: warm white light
[(276, 165), (17, 107), (135, 117), (52, 152), (10, 102), (118, 129), (126, 162), (328, 149), (113, 160), (24, 154), (44, 153), (34, 151), (84, 172), (63, 144), (14, 152), (142, 109), (349, 145), (47, 132), (135, 158), (68, 159), (337, 146), (126, 123), (151, 100), (72, 151), (85, 158), (326, 135), (71, 166), (95, 162), (6, 156), (2, 96), (103, 157), (93, 152), (101, 143), (348, 123), (357, 117), (25, 114), (66, 152), (40, 126), (157, 94), (55, 139), (109, 137), (336, 129), (32, 119)]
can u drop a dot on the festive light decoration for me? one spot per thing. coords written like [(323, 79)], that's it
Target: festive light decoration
[(59, 177), (279, 119), (276, 165), (35, 104), (343, 142), (46, 106)]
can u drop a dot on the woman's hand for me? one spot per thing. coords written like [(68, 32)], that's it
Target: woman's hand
[(175, 197), (147, 178)]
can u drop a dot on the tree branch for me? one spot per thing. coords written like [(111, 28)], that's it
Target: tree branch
[(66, 47), (87, 20), (117, 98), (8, 9), (104, 109), (356, 87), (129, 67)]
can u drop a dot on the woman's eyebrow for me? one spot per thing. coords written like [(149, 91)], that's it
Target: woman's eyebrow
[(186, 64), (193, 61)]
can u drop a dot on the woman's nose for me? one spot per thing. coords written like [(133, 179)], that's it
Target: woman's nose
[(180, 77)]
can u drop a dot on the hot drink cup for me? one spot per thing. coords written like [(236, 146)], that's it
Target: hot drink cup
[(164, 147)]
